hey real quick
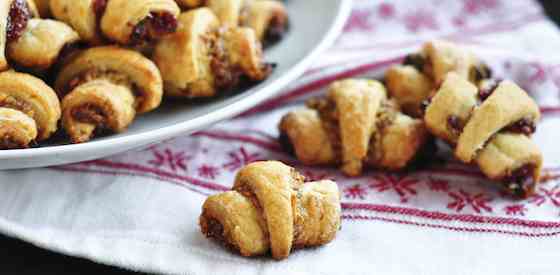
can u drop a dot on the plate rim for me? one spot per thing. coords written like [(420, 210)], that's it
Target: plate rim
[(151, 136)]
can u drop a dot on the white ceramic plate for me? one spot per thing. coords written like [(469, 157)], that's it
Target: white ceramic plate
[(315, 24)]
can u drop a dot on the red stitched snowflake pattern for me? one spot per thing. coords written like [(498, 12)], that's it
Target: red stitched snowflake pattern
[(386, 10), (170, 159), (462, 199), (476, 6), (359, 21), (403, 186), (438, 185), (355, 191), (516, 210), (546, 195), (208, 171), (240, 158), (420, 19)]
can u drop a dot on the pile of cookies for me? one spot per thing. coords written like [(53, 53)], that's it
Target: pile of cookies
[(442, 92), (91, 66)]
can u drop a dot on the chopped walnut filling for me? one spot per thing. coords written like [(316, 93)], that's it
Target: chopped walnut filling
[(113, 76), (8, 142), (154, 26), (226, 76), (213, 229), (329, 118), (11, 102), (18, 17), (520, 182), (89, 113), (385, 117)]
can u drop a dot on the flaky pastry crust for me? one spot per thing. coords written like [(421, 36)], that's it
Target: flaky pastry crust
[(490, 127), (420, 74), (33, 100), (202, 59), (353, 126), (271, 208), (104, 87)]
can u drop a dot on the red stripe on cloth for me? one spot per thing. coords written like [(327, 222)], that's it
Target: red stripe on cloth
[(434, 215), (117, 173), (269, 145), (453, 228), (158, 172), (550, 110)]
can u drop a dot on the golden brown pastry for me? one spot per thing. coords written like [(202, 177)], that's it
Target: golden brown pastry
[(43, 6), (202, 59), (103, 88), (271, 209), (123, 21), (14, 16), (29, 110), (41, 44), (420, 74), (354, 125), (269, 18), (489, 126)]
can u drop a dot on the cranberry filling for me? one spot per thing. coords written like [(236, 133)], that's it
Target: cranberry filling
[(520, 183), (156, 25), (415, 60), (99, 7), (286, 143), (454, 123), (482, 72), (525, 126), (276, 30), (488, 89), (17, 20)]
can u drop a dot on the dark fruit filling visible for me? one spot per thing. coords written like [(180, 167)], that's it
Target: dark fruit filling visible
[(416, 60), (156, 25), (99, 7), (286, 143), (276, 30), (525, 126), (455, 124), (89, 114), (424, 105), (17, 20), (482, 72), (521, 183), (489, 88)]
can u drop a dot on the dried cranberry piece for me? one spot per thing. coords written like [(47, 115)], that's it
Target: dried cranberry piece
[(155, 25), (416, 60), (276, 30), (525, 126), (520, 182), (482, 72), (489, 88), (286, 143), (18, 17), (455, 123), (99, 7)]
